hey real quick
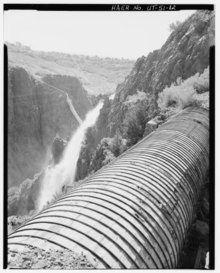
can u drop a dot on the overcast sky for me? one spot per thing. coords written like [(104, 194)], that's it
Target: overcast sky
[(105, 34)]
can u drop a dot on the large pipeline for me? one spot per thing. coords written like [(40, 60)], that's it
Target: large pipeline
[(136, 211)]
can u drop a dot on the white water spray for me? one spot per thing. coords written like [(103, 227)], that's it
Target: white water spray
[(112, 96), (63, 173), (72, 109)]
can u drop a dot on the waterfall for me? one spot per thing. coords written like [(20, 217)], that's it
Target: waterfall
[(112, 96), (72, 109), (63, 173)]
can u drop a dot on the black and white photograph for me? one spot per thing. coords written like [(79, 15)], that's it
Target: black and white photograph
[(109, 140)]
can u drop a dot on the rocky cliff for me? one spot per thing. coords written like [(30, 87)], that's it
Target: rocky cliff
[(185, 53), (37, 111)]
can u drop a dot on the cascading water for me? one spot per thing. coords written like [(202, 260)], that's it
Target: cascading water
[(112, 96), (63, 173), (72, 109)]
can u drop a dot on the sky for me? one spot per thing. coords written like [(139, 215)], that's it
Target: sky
[(105, 34)]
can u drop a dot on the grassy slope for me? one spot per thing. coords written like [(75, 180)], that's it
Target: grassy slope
[(97, 75)]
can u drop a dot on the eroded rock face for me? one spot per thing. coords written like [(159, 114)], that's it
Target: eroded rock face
[(185, 53), (36, 113)]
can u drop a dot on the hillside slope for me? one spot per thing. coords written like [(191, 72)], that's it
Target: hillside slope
[(185, 53), (98, 75)]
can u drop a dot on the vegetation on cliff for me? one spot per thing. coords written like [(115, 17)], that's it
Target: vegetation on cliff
[(184, 93)]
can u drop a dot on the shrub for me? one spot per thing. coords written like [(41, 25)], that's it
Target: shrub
[(134, 123), (13, 200), (201, 83), (139, 96), (176, 96), (107, 150), (174, 26), (183, 93)]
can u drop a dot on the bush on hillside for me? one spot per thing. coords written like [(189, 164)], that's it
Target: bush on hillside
[(183, 93), (92, 157), (13, 200), (201, 82), (176, 96), (107, 150), (174, 26), (139, 96), (135, 122)]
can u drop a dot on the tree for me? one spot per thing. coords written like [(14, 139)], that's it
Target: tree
[(173, 26), (134, 124), (118, 144)]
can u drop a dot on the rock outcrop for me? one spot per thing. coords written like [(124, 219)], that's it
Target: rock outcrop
[(185, 53)]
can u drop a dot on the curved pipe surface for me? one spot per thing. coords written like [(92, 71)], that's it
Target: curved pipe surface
[(134, 212)]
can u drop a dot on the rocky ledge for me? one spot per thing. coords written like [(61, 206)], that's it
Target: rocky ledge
[(36, 258)]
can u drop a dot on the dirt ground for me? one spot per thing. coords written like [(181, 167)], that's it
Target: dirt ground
[(36, 258)]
